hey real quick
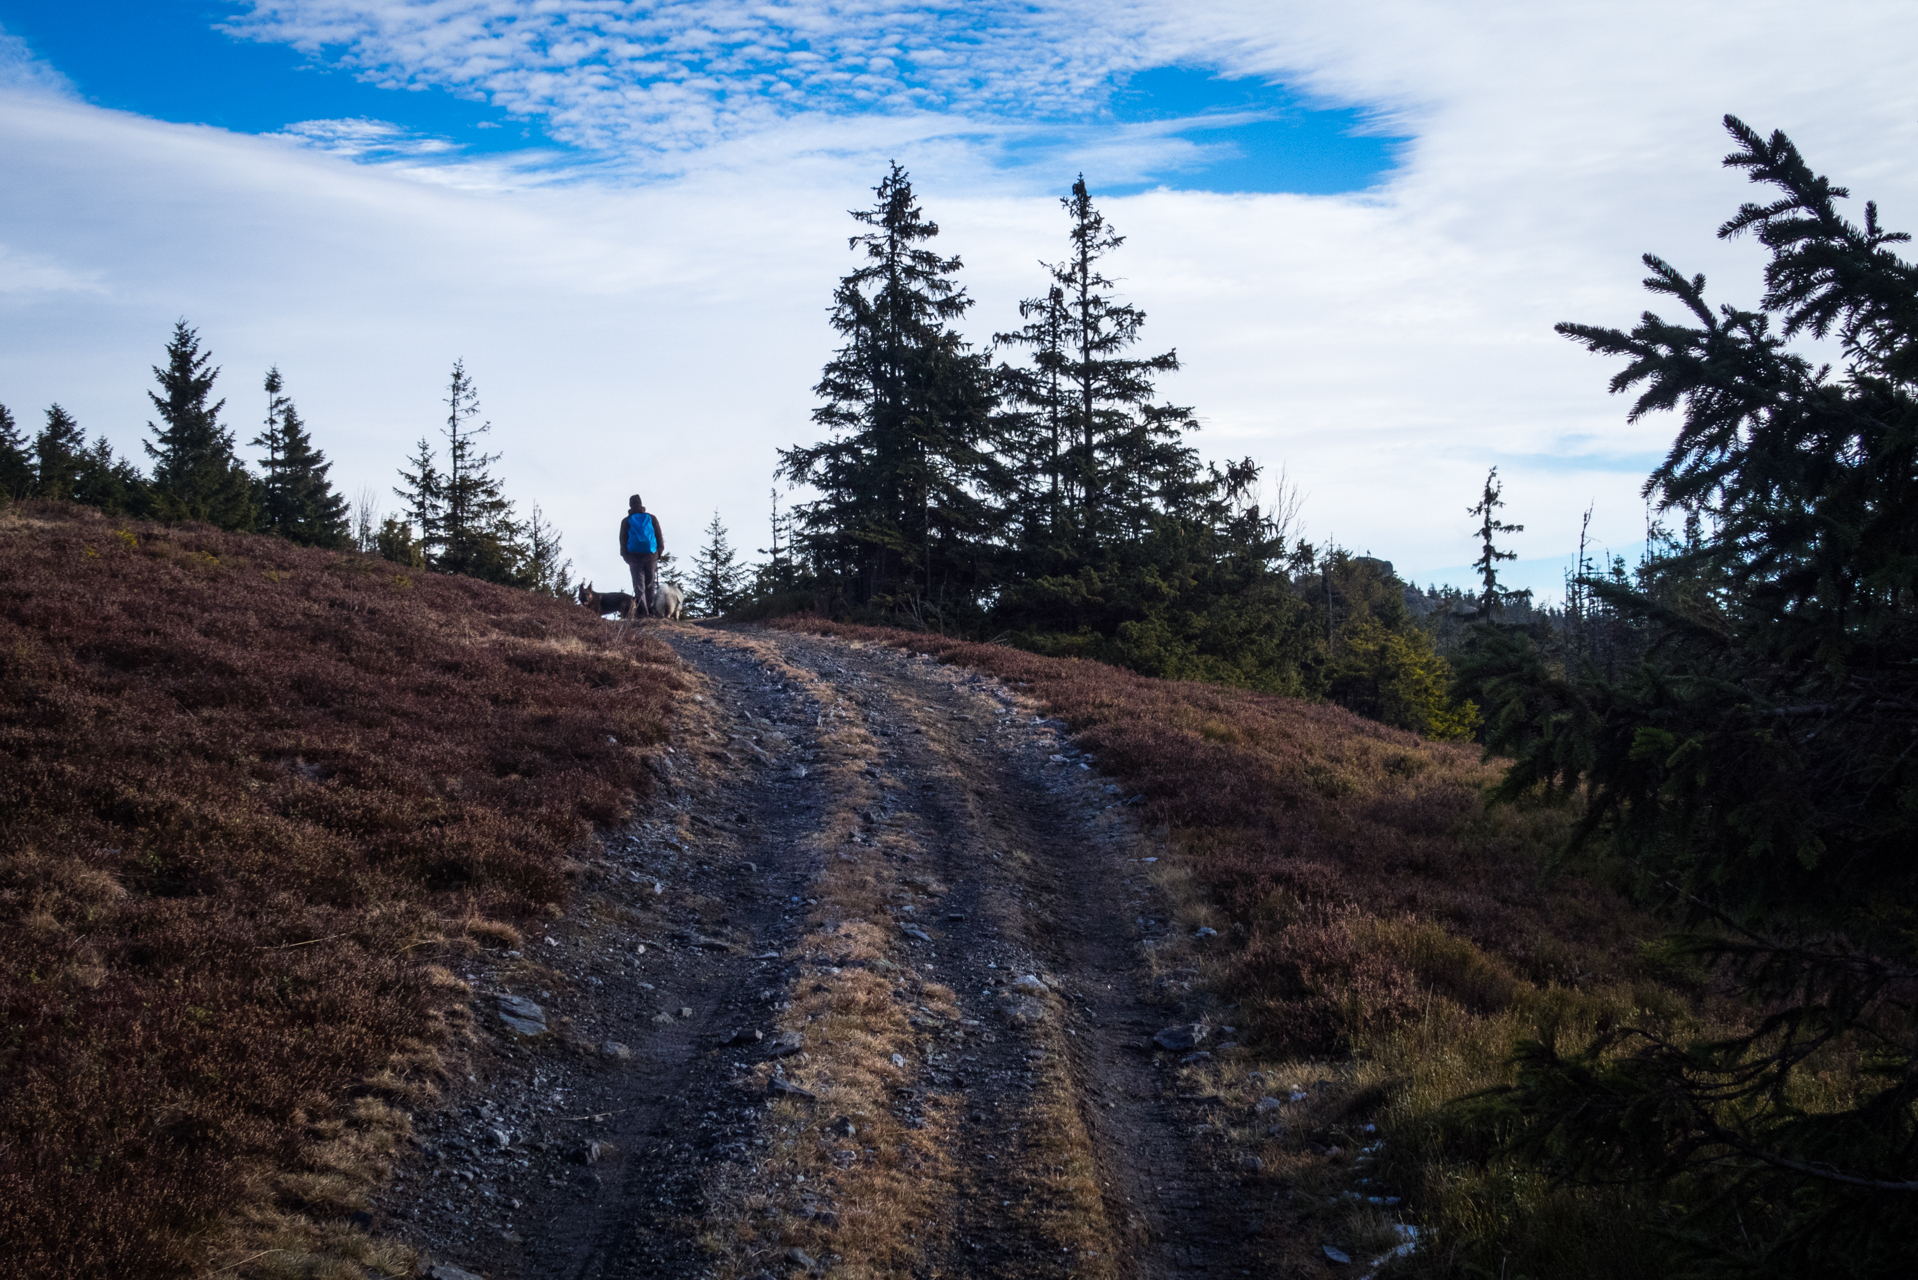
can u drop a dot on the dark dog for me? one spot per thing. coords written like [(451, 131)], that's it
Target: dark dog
[(605, 602)]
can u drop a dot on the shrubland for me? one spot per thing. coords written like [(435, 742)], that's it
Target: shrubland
[(253, 799)]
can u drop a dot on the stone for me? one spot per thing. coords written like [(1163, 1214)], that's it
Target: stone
[(445, 1272), (614, 1051), (1181, 1038), (1198, 1056), (1339, 1256), (1025, 1011), (745, 1036), (1267, 1104), (521, 1016), (780, 1087), (844, 1127), (684, 1013), (591, 1152), (1251, 1164), (1031, 985), (1206, 931), (800, 1258), (662, 1017), (914, 931), (786, 1044)]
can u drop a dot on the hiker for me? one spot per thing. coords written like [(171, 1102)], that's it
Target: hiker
[(640, 544)]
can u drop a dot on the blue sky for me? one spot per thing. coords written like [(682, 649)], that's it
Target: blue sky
[(256, 69), (1356, 222)]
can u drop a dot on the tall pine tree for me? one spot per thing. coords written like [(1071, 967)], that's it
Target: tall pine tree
[(901, 523), (16, 463), (57, 451), (297, 501), (195, 473)]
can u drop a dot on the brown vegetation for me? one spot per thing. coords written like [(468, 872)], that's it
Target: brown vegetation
[(1375, 923), (250, 794)]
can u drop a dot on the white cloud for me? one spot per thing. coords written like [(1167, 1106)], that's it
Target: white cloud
[(664, 334), (22, 72)]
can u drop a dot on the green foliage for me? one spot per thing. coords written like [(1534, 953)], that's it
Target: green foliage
[(1397, 676), (901, 526), (57, 451), (195, 473), (1746, 748), (16, 464), (395, 542), (297, 501), (464, 521), (718, 581)]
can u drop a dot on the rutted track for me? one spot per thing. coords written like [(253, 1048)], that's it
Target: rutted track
[(839, 816)]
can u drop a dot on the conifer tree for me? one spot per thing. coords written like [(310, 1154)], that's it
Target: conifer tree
[(718, 578), (423, 491), (1750, 762), (1124, 457), (57, 452), (1033, 426), (114, 485), (1493, 599), (479, 537), (195, 473), (16, 463), (901, 523), (297, 501), (545, 571)]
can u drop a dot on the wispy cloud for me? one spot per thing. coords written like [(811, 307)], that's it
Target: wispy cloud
[(32, 273), (22, 72), (670, 78)]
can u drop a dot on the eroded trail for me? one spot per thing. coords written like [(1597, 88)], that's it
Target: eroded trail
[(892, 1016)]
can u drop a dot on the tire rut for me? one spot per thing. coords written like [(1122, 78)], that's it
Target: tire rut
[(1050, 1138)]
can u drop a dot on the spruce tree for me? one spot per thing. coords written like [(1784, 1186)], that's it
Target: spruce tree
[(901, 524), (57, 452), (195, 473), (1493, 599), (1750, 762), (297, 501), (16, 463), (1034, 428), (545, 572), (1126, 460), (114, 485), (479, 537), (718, 578), (423, 491)]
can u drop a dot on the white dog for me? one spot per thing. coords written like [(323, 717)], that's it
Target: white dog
[(666, 601)]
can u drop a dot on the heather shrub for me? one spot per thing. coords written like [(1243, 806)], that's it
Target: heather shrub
[(252, 796)]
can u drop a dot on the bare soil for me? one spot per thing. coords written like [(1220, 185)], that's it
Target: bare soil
[(1056, 1142)]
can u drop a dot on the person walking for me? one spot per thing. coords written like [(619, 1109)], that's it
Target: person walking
[(640, 545)]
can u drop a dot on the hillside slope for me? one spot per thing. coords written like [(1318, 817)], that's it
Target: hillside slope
[(250, 796)]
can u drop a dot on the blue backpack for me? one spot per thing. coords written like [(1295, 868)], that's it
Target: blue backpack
[(639, 534)]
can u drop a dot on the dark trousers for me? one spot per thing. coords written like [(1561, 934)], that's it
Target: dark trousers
[(645, 567)]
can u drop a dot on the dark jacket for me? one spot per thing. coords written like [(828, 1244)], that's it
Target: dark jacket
[(659, 535)]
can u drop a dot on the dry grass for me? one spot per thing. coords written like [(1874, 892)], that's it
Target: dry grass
[(1382, 939), (878, 1210), (250, 795)]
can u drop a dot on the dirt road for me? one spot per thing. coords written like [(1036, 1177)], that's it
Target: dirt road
[(865, 989)]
